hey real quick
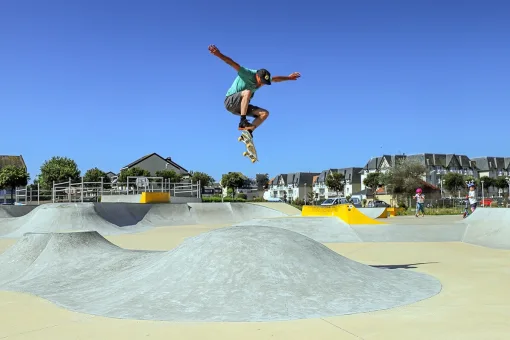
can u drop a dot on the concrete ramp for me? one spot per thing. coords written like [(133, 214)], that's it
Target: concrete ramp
[(168, 215), (117, 218), (8, 211), (321, 229), (374, 212), (488, 227), (284, 208), (235, 274), (62, 217), (346, 212)]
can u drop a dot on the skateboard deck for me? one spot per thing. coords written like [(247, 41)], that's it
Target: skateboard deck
[(250, 152)]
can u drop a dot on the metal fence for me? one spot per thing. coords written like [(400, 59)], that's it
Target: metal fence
[(82, 191)]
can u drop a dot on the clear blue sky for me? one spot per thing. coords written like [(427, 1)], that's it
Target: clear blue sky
[(106, 82)]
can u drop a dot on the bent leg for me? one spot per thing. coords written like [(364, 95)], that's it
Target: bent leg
[(261, 115)]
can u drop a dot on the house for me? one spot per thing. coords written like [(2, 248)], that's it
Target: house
[(292, 186), (379, 164), (493, 167), (154, 163), (352, 183), (437, 165)]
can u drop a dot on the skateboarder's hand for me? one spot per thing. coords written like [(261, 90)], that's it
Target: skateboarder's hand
[(214, 50), (295, 76)]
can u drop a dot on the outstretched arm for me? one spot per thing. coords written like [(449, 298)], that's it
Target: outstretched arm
[(293, 76), (214, 50)]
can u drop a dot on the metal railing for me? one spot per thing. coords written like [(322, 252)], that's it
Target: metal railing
[(82, 191)]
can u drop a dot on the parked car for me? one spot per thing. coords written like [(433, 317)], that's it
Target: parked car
[(356, 202), (486, 202), (377, 204), (335, 201)]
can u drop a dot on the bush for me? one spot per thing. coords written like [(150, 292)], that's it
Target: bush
[(243, 196)]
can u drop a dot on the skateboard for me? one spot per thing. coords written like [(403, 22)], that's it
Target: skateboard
[(250, 152)]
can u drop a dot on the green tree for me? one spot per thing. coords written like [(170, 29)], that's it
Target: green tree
[(310, 196), (135, 171), (58, 169), (171, 175), (453, 182), (488, 182), (94, 175), (501, 183), (205, 179), (233, 180), (12, 177), (335, 181), (404, 177), (373, 181), (262, 181)]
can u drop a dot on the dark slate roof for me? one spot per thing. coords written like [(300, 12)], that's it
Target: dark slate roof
[(300, 178), (375, 162), (168, 160), (17, 161), (427, 159), (492, 163), (352, 174)]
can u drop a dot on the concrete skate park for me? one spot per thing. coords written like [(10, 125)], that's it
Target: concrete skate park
[(251, 271)]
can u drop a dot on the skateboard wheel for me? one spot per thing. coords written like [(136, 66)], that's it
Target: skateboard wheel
[(253, 161), (239, 139), (245, 154)]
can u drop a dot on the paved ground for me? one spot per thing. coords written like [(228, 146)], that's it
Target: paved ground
[(474, 302)]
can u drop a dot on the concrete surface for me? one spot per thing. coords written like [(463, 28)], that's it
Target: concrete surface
[(321, 229), (229, 274), (119, 218), (474, 302)]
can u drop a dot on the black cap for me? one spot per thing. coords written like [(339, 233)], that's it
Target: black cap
[(265, 76)]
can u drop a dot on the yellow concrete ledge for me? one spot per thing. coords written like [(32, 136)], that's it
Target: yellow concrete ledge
[(155, 197), (346, 212)]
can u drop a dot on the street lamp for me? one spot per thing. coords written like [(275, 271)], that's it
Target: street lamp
[(440, 173), (483, 197), (305, 193), (508, 181)]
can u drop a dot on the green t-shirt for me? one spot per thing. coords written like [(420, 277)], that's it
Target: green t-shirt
[(245, 80)]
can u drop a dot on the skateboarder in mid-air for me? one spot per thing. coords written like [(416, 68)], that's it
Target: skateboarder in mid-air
[(243, 88)]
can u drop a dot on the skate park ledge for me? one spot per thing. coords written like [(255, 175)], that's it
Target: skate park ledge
[(144, 197), (346, 212)]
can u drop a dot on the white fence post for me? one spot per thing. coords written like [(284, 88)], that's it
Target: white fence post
[(81, 189), (38, 192), (53, 192), (69, 193)]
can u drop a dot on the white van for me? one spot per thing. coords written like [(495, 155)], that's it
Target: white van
[(335, 201)]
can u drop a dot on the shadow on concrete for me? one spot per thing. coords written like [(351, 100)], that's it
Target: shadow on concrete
[(401, 266)]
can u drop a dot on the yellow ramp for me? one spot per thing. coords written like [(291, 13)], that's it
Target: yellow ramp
[(346, 212)]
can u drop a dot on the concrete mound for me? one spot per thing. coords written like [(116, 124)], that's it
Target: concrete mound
[(321, 229), (61, 217), (488, 227), (229, 274), (7, 211)]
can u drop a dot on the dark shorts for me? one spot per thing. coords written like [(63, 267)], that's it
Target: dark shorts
[(233, 105)]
